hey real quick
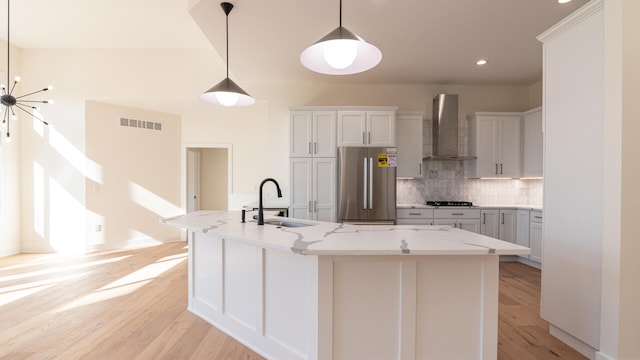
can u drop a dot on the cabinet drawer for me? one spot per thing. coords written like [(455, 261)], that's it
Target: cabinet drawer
[(456, 213), (414, 214), (428, 221), (535, 216)]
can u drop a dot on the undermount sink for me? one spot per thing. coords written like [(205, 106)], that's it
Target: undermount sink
[(287, 223)]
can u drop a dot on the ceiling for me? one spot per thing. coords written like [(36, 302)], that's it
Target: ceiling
[(422, 41)]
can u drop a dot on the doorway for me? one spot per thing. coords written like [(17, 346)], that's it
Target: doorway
[(208, 178)]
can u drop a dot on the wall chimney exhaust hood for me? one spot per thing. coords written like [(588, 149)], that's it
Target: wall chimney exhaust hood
[(445, 129)]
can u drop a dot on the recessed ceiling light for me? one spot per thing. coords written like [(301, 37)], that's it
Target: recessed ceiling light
[(482, 62), (563, 1)]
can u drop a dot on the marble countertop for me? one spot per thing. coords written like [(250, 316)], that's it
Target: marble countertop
[(324, 238)]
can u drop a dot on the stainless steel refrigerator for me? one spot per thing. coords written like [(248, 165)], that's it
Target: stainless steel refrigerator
[(367, 185)]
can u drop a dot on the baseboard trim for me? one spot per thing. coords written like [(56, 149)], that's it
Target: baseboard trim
[(575, 343)]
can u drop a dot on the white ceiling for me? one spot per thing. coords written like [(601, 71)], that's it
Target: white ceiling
[(422, 41)]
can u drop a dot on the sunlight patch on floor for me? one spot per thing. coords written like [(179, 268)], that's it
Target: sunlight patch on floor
[(12, 293), (126, 284)]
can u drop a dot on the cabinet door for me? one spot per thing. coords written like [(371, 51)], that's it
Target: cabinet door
[(409, 145), (535, 240), (352, 128), (485, 132), (381, 128), (469, 225), (301, 174), (301, 137), (533, 140), (324, 133), (508, 226), (522, 237), (508, 149), (324, 189), (489, 223)]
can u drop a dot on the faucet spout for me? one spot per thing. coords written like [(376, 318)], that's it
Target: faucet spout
[(260, 207)]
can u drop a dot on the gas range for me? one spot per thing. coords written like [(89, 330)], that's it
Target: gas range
[(450, 203)]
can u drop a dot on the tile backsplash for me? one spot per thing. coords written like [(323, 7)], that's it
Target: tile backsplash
[(446, 180)]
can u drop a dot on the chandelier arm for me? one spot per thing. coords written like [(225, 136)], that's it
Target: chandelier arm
[(5, 117), (35, 92), (34, 101), (30, 113), (13, 86)]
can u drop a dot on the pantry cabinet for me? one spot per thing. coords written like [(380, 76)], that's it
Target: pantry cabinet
[(494, 138), (313, 188), (313, 133), (367, 127)]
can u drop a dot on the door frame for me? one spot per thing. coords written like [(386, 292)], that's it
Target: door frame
[(183, 175)]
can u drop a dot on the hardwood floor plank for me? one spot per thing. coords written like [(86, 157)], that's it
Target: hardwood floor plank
[(132, 304)]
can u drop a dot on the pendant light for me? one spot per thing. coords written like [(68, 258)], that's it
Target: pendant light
[(227, 92), (8, 100), (341, 52)]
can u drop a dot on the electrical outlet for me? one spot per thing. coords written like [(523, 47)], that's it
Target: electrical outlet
[(98, 227)]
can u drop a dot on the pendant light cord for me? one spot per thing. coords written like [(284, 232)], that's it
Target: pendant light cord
[(227, 21), (8, 43), (340, 13)]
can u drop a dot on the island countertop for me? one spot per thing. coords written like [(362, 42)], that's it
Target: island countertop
[(325, 238)]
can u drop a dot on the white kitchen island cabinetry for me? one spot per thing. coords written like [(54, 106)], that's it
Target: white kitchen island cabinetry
[(370, 126), (336, 291), (494, 138), (313, 133), (313, 188)]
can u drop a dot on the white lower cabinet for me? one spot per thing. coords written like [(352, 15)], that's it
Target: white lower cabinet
[(508, 225), (313, 188), (499, 224), (522, 237), (535, 235), (414, 216), (489, 223), (465, 219)]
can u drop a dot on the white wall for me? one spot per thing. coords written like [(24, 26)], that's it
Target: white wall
[(139, 177)]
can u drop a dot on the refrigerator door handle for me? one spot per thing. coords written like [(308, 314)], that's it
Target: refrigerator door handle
[(364, 184), (370, 183)]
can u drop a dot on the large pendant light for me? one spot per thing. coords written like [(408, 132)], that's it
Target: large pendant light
[(341, 52), (8, 100), (227, 92)]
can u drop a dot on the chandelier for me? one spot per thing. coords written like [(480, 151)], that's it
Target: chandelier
[(8, 100)]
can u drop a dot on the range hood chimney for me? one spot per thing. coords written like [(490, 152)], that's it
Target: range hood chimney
[(445, 128)]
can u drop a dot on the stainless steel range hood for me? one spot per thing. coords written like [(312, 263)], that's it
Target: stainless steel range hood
[(445, 129)]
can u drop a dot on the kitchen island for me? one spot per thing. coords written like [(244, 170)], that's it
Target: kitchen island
[(338, 291)]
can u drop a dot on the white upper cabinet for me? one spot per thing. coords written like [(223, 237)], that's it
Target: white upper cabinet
[(313, 133), (409, 127), (367, 127), (532, 143), (494, 138)]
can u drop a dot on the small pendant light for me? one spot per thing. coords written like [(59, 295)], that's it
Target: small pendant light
[(341, 52), (227, 92)]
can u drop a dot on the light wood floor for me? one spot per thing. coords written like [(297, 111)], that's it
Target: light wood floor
[(131, 304)]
